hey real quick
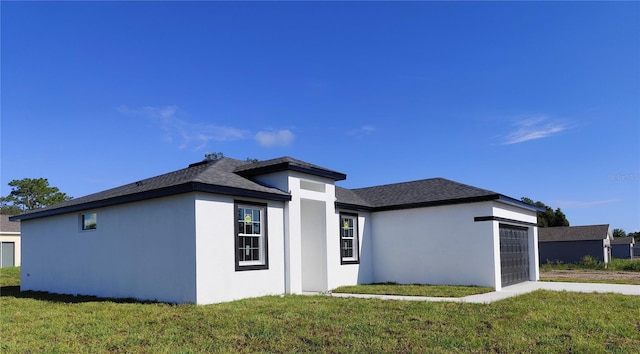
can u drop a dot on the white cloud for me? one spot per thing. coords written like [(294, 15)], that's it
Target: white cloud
[(363, 130), (186, 133), (274, 138), (531, 129), (583, 204)]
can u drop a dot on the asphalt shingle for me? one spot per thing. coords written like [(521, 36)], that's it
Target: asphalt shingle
[(573, 233)]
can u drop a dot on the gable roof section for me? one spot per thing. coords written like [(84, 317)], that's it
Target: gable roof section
[(9, 226), (573, 233), (623, 241), (287, 164), (422, 193), (214, 177)]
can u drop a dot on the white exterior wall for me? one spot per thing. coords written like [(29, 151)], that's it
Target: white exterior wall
[(143, 250), (444, 245), (435, 245), (217, 279), (351, 274), (300, 216)]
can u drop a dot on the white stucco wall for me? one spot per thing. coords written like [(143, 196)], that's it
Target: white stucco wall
[(351, 274), (143, 250), (435, 245), (217, 279)]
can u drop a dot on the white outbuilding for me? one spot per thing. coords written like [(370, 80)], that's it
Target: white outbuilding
[(228, 229)]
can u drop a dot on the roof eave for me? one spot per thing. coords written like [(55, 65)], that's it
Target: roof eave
[(288, 166), (152, 194), (512, 201), (468, 200), (340, 205)]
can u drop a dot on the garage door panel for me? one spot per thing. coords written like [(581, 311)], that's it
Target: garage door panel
[(514, 254)]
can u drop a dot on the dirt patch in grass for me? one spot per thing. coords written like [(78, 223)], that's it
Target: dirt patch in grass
[(590, 276)]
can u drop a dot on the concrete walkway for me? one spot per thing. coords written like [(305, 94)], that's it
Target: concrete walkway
[(511, 291)]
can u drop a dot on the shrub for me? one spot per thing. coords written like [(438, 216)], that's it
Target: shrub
[(589, 262)]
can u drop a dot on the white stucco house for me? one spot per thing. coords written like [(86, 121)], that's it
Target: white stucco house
[(228, 229)]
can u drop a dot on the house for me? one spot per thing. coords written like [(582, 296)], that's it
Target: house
[(229, 229), (622, 247), (9, 242), (569, 244)]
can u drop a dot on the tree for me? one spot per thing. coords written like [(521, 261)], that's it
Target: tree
[(213, 156), (548, 217), (635, 235), (619, 233), (29, 194)]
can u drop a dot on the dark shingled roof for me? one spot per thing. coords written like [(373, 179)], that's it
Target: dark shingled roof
[(8, 226), (426, 192), (623, 241), (284, 164), (573, 233), (216, 177), (234, 177)]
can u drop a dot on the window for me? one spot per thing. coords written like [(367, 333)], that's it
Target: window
[(349, 239), (90, 221), (251, 236)]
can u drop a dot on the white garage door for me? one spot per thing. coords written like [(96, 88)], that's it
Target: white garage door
[(514, 254)]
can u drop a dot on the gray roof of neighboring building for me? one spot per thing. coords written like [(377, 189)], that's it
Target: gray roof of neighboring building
[(234, 177), (573, 233), (623, 241), (8, 226)]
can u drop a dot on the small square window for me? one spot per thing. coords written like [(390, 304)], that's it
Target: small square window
[(90, 221)]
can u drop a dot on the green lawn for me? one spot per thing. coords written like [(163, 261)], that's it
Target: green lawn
[(537, 322), (413, 290)]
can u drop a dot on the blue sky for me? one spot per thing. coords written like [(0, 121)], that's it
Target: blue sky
[(536, 99)]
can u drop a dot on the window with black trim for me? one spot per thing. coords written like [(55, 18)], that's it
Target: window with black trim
[(349, 239), (89, 221), (251, 236)]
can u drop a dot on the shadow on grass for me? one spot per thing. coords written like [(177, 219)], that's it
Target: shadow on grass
[(14, 291)]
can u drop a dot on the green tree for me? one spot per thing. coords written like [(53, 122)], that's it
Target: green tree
[(548, 217), (213, 156), (619, 233), (635, 235), (29, 194)]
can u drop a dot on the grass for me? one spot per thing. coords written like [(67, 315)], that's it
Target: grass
[(413, 290), (537, 322), (589, 263)]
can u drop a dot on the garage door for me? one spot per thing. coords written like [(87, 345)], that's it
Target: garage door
[(514, 254)]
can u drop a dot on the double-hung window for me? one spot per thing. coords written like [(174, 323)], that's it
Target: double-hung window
[(251, 236), (349, 239)]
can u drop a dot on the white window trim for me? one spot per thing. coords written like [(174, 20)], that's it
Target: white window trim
[(263, 262), (355, 259)]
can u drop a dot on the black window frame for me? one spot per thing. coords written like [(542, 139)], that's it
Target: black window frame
[(265, 235), (82, 221), (356, 239)]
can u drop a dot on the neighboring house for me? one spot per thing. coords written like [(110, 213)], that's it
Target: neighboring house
[(9, 242), (228, 229), (622, 247), (569, 244)]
